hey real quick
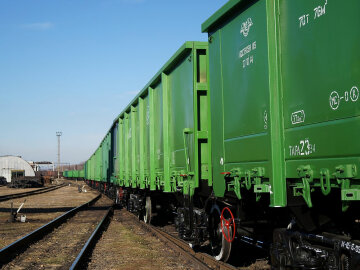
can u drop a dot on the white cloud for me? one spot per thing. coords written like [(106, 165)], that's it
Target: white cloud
[(38, 26)]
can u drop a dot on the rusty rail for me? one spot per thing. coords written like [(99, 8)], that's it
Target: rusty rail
[(203, 260), (9, 252), (30, 193)]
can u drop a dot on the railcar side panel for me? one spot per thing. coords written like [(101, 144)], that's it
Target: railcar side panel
[(114, 154), (320, 76), (240, 101), (181, 112)]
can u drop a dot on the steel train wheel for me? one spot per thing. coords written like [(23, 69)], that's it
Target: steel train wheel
[(344, 262), (220, 247), (148, 210), (117, 196)]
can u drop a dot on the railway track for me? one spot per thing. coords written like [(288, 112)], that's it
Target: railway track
[(202, 260), (30, 193), (168, 235), (67, 241), (82, 257), (55, 244), (198, 259)]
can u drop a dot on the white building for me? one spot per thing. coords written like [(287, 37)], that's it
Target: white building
[(14, 166)]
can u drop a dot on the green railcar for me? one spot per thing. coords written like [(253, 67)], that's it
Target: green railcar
[(163, 134), (243, 145), (93, 159), (89, 174), (85, 170), (284, 80), (162, 137), (292, 112), (285, 98), (98, 164), (106, 159)]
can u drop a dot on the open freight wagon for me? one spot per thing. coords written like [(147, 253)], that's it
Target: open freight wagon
[(160, 141), (284, 81)]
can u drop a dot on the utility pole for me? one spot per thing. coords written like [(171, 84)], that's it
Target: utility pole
[(58, 134)]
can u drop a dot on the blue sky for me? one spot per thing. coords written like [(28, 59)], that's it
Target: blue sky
[(73, 65)]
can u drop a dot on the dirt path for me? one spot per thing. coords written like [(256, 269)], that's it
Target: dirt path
[(125, 245)]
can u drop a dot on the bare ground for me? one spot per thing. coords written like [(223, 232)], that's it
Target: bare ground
[(59, 249), (4, 190), (125, 245), (39, 210)]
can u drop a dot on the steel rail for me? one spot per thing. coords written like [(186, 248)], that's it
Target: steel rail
[(205, 258), (9, 252), (90, 243), (174, 243), (30, 193)]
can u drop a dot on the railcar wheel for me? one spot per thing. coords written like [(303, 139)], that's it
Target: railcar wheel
[(220, 246), (344, 262), (117, 196), (148, 210)]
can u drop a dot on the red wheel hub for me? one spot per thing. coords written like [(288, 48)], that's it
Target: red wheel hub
[(120, 193), (226, 224)]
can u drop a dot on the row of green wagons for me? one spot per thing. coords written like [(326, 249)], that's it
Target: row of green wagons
[(255, 128)]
